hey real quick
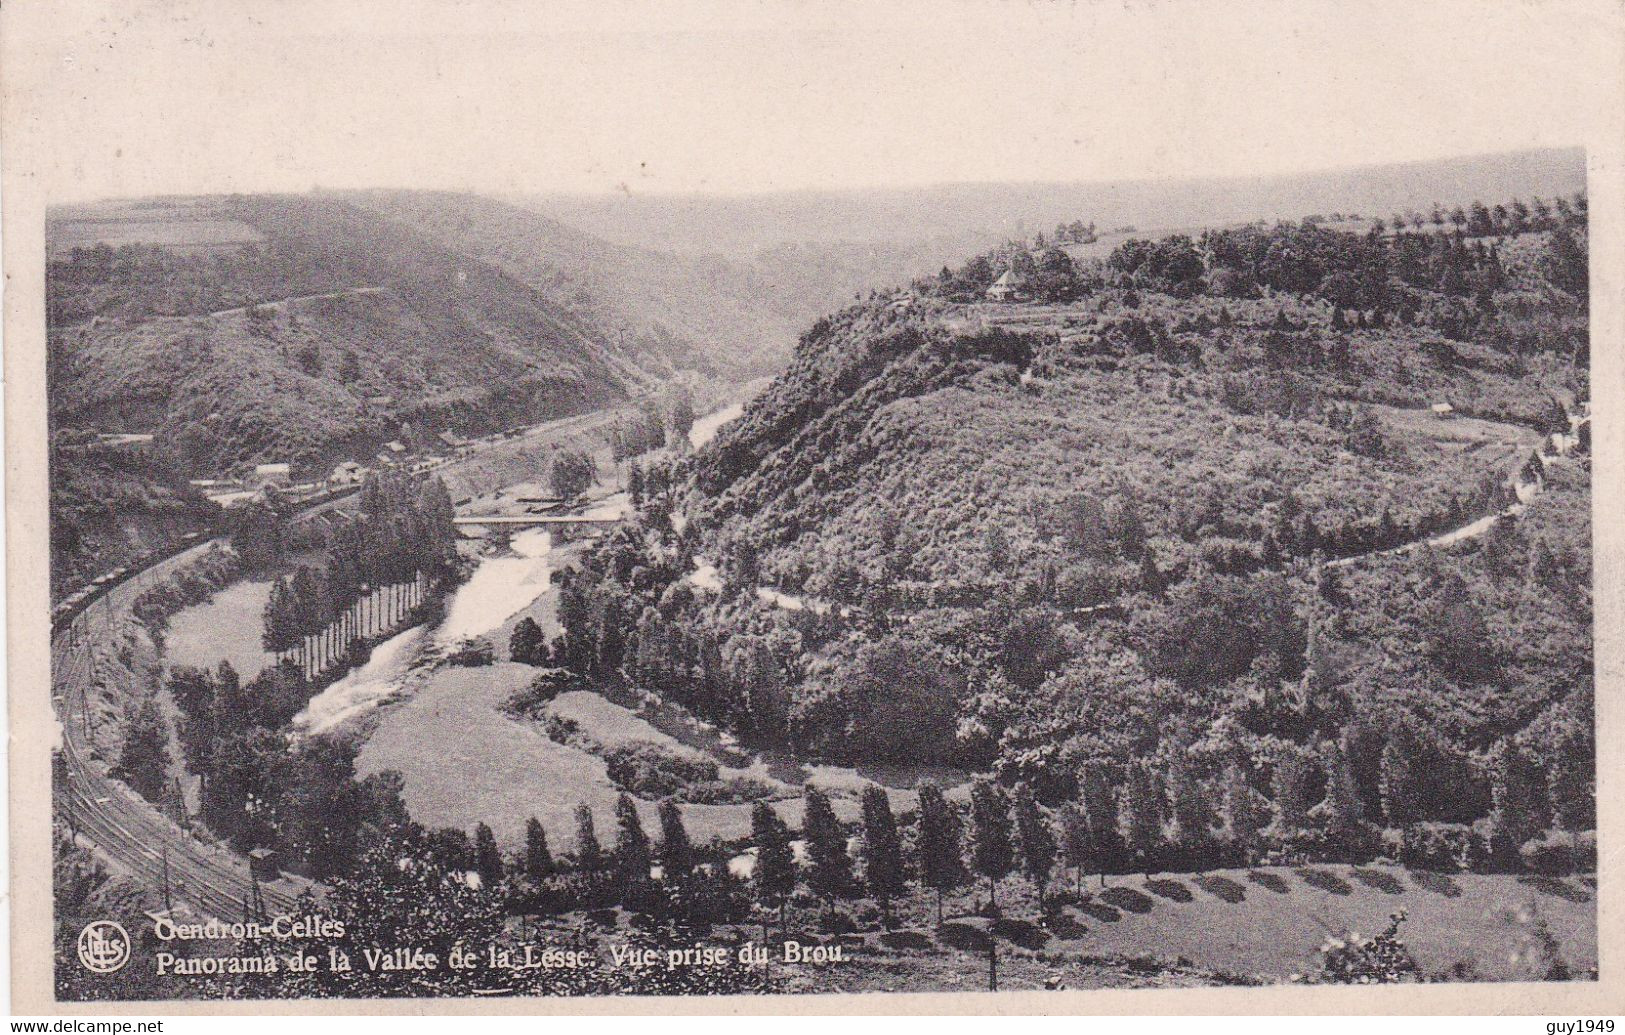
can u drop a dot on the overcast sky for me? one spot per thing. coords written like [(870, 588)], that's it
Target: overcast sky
[(762, 96)]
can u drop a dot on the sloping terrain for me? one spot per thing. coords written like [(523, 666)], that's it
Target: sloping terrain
[(1266, 502), (272, 350), (739, 322)]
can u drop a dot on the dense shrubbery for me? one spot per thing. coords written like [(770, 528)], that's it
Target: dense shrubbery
[(652, 771)]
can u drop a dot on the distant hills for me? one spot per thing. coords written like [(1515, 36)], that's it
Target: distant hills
[(734, 320), (971, 214), (307, 327), (319, 338)]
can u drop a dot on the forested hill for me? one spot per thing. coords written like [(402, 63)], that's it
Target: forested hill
[(1271, 494), (741, 321), (303, 328)]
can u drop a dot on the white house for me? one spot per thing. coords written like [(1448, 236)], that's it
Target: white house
[(1006, 289), (1442, 409)]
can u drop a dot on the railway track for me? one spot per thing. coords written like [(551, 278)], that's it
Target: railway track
[(133, 834), (130, 832)]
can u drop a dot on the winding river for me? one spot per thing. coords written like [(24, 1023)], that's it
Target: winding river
[(500, 587)]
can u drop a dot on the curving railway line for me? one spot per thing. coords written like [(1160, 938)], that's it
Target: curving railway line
[(132, 834)]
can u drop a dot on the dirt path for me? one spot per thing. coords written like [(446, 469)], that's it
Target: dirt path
[(273, 303)]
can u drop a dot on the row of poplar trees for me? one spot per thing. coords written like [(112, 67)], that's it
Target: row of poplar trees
[(1005, 833), (1001, 833), (378, 567)]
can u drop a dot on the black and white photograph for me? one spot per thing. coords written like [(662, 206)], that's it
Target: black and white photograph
[(767, 500)]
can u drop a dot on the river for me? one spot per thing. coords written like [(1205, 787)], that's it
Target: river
[(501, 586), (706, 428)]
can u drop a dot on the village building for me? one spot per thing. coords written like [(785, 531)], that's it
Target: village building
[(126, 441), (1006, 289), (272, 474), (350, 472)]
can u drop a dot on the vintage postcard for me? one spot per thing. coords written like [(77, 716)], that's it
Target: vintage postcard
[(543, 507)]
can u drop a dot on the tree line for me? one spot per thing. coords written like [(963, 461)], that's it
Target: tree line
[(378, 567)]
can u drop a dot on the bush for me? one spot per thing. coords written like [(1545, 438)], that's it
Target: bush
[(1352, 960), (545, 687), (651, 771), (1560, 853), (1445, 847), (472, 653)]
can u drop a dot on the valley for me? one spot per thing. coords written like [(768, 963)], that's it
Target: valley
[(1064, 606)]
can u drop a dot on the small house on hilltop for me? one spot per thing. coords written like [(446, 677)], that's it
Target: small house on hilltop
[(1443, 409), (1006, 289)]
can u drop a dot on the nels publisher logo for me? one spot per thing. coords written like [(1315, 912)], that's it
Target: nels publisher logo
[(104, 946)]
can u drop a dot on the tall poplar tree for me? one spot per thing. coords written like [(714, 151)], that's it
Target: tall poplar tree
[(883, 873), (1140, 815), (631, 847), (831, 871), (939, 844), (774, 877), (589, 854), (1098, 799), (1246, 813), (538, 860), (1035, 840), (676, 851), (992, 848), (487, 859)]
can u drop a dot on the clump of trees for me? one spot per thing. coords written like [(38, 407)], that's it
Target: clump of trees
[(571, 473), (260, 790), (378, 569)]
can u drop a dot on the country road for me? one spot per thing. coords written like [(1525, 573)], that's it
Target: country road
[(273, 302), (128, 832)]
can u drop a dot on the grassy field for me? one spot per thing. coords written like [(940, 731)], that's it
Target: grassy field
[(222, 628), (189, 225), (1220, 927), (465, 762)]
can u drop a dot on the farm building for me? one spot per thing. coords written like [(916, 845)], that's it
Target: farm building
[(1006, 289), (350, 472), (272, 474), (1442, 409)]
